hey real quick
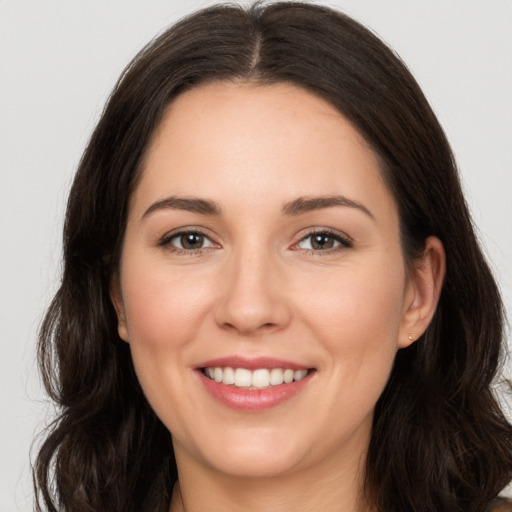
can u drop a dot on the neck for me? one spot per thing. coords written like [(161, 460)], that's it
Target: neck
[(337, 488)]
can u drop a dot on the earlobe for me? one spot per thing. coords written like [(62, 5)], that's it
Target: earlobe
[(117, 302), (426, 277)]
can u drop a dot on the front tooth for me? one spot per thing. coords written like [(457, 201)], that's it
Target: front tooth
[(276, 376), (260, 378), (217, 374), (299, 374), (228, 376), (242, 378), (288, 376)]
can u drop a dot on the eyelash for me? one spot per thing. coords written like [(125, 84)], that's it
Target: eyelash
[(344, 242), (166, 242)]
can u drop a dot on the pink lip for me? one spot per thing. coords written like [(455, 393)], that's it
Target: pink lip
[(255, 400), (250, 363)]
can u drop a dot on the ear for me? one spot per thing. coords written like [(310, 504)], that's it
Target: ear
[(425, 282), (117, 300)]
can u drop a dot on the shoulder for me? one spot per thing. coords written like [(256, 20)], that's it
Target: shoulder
[(501, 505)]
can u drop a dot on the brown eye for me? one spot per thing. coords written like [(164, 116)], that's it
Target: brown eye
[(322, 241), (187, 241), (191, 241)]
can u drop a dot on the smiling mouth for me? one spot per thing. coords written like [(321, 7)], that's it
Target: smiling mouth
[(261, 378)]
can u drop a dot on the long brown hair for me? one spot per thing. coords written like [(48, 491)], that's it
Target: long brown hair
[(440, 441)]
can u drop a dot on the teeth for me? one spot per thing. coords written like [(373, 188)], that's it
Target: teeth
[(276, 376), (228, 376), (258, 379), (288, 376), (299, 375), (242, 378)]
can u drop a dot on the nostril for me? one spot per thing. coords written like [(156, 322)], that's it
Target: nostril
[(249, 309)]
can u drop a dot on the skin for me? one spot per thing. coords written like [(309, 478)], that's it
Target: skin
[(257, 288)]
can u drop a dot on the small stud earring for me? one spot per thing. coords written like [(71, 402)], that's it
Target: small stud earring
[(410, 337)]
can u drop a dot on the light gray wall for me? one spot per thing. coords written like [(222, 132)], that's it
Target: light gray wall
[(58, 61)]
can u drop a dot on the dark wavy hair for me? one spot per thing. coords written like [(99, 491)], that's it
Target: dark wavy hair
[(440, 441)]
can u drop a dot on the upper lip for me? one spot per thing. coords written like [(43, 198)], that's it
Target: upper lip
[(251, 363)]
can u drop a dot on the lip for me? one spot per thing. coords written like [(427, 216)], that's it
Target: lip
[(253, 400), (251, 363)]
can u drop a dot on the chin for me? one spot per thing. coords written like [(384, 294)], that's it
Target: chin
[(248, 453), (261, 465)]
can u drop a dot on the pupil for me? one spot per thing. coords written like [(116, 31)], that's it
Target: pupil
[(192, 241), (322, 242)]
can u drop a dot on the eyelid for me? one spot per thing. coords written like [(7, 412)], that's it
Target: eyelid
[(165, 240), (345, 241)]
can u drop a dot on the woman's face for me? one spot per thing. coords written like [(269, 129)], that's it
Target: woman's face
[(262, 244)]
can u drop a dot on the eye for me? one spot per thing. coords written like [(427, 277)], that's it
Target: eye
[(187, 241), (323, 241)]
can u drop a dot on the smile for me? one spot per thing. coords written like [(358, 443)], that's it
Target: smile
[(254, 384), (260, 378)]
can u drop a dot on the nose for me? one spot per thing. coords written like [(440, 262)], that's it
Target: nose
[(253, 295)]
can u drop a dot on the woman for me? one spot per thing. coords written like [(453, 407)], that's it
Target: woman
[(272, 296)]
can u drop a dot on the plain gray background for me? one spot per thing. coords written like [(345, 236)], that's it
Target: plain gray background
[(58, 62)]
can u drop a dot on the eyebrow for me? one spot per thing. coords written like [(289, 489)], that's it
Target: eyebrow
[(298, 206), (306, 204), (189, 204)]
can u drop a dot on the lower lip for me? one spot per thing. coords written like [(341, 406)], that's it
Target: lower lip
[(255, 400)]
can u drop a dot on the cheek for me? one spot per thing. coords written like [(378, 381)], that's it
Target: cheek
[(163, 312), (358, 314), (159, 304)]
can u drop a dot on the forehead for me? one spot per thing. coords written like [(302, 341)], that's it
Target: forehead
[(234, 140)]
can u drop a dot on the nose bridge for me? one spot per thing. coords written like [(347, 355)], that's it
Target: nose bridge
[(253, 295)]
